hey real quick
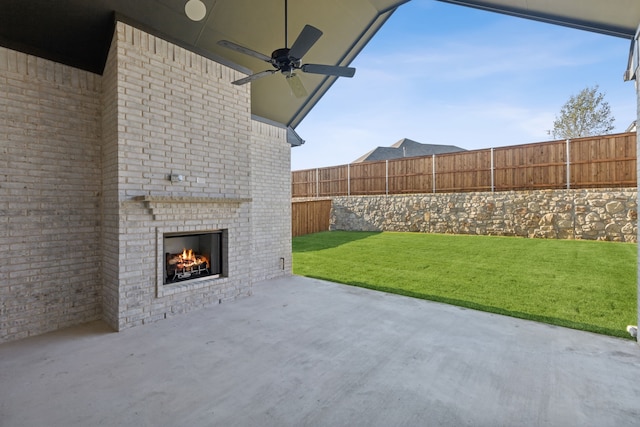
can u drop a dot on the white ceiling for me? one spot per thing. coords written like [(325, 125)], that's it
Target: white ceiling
[(259, 25)]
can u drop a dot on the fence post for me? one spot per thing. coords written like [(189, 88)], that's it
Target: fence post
[(433, 172), (493, 182), (568, 165), (317, 183), (349, 179), (386, 177)]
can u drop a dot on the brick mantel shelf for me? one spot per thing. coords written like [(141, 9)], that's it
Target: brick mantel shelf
[(172, 207)]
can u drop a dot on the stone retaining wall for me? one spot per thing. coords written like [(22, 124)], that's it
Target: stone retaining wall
[(590, 214)]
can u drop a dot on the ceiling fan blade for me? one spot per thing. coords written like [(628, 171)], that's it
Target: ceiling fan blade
[(253, 77), (245, 50), (307, 38), (296, 86), (328, 70)]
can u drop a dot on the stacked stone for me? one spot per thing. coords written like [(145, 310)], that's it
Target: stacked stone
[(590, 214)]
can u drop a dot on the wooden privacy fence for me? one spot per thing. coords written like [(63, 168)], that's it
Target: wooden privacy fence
[(310, 217), (602, 161)]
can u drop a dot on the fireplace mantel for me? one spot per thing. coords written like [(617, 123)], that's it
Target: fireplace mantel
[(175, 207)]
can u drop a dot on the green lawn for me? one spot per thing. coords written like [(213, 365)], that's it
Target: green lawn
[(578, 284)]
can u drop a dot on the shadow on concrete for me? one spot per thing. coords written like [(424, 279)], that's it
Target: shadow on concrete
[(552, 321)]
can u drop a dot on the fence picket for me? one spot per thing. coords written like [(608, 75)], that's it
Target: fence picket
[(310, 217), (600, 161)]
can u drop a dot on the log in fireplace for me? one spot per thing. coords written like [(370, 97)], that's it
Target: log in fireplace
[(193, 255)]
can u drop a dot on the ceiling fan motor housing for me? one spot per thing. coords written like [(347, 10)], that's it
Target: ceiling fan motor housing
[(281, 60)]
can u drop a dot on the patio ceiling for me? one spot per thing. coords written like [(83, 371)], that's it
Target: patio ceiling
[(78, 32)]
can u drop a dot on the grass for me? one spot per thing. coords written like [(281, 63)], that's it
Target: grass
[(583, 285)]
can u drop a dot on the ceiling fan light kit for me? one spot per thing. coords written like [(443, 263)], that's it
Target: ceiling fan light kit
[(195, 10), (288, 60)]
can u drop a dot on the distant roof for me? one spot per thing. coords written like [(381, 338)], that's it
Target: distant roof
[(406, 148), (632, 127)]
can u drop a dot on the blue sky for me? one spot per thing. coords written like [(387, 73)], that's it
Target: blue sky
[(445, 74)]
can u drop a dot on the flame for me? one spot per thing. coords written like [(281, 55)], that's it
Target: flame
[(188, 255), (188, 258)]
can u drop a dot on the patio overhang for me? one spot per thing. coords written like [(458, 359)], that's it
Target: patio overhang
[(78, 33), (618, 18)]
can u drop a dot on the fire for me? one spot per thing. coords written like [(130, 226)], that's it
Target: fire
[(187, 264), (188, 255), (188, 259)]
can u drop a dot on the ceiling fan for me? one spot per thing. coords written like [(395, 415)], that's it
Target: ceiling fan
[(289, 60)]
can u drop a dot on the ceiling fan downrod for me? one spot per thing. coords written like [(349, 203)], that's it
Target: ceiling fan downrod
[(286, 24)]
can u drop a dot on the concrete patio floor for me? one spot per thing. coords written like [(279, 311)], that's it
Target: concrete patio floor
[(307, 352)]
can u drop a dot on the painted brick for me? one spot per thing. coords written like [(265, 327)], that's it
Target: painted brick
[(51, 134), (77, 148), (186, 117)]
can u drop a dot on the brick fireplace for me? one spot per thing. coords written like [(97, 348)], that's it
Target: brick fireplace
[(159, 145)]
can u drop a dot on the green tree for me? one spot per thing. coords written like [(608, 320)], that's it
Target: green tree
[(584, 114)]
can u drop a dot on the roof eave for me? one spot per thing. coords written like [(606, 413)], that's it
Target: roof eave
[(593, 26), (365, 36)]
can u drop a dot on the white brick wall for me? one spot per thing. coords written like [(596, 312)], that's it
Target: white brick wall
[(110, 203), (271, 209), (49, 195), (178, 113), (78, 151)]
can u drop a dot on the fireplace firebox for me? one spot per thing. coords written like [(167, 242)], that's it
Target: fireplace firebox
[(193, 255)]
